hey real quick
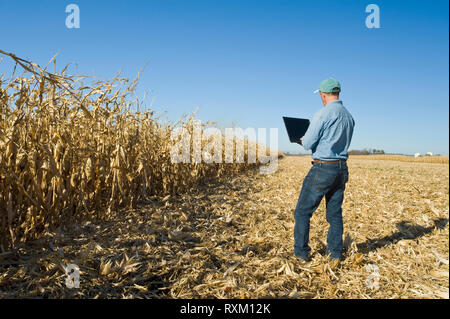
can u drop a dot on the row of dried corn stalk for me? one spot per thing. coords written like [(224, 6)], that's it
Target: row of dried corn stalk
[(71, 150)]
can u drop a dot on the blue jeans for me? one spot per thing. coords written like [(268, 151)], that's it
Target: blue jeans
[(322, 180)]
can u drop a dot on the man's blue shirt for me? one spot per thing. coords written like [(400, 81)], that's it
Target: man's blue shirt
[(330, 132)]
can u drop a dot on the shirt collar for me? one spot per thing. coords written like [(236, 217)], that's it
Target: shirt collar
[(334, 101)]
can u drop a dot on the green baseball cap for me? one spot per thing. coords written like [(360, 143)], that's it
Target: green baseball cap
[(329, 86)]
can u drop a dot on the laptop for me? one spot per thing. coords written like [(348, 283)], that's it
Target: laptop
[(296, 128)]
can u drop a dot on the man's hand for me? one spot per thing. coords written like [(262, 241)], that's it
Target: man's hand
[(300, 141)]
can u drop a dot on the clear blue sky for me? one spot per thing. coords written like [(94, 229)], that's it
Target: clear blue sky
[(248, 63)]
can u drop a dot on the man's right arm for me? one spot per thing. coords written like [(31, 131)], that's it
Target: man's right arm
[(314, 132)]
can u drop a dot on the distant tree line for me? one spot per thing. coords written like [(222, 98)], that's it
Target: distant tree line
[(365, 152)]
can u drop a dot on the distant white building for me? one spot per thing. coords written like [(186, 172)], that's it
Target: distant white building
[(429, 153), (417, 155)]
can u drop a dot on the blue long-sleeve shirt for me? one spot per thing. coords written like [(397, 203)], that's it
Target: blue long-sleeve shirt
[(330, 132)]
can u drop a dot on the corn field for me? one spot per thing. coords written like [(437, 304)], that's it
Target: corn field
[(71, 150), (233, 238), (86, 180), (403, 158)]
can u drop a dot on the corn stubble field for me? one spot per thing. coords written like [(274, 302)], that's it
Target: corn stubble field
[(84, 180)]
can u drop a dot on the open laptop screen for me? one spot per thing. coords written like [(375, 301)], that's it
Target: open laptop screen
[(296, 128)]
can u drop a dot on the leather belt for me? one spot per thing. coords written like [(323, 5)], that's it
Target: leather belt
[(328, 162)]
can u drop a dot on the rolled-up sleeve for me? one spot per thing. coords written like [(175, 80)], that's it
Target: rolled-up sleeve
[(314, 132)]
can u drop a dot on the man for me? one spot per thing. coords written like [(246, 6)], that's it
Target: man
[(328, 137)]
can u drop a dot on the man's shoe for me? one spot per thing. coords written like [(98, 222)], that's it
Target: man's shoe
[(303, 261)]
